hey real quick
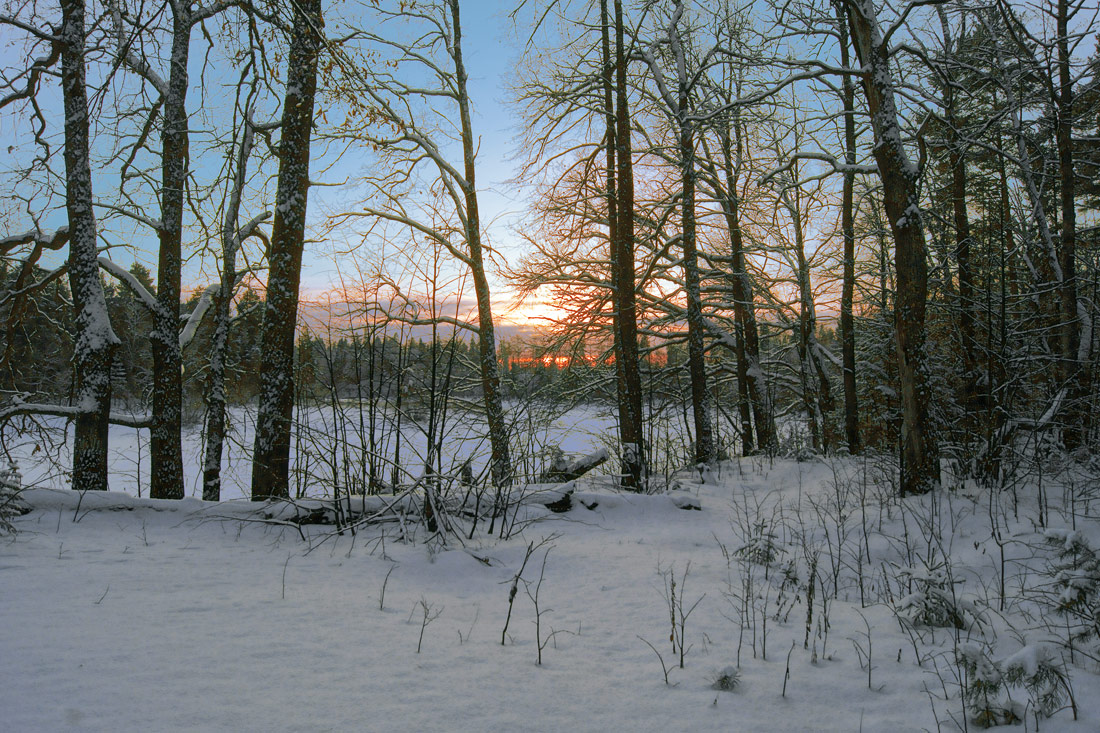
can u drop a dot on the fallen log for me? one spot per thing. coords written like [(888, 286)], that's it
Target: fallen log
[(563, 468)]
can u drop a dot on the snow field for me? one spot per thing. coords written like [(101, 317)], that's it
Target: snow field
[(147, 615)]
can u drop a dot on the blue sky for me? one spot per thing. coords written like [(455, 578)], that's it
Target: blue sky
[(490, 54)]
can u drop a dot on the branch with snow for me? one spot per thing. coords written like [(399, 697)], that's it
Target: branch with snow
[(69, 412), (35, 236), (126, 278)]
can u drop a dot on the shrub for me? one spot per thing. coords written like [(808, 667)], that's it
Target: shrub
[(1076, 573), (10, 505)]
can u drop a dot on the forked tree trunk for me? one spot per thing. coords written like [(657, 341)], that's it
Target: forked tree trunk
[(231, 237), (705, 451), (920, 470), (749, 371), (271, 456), (95, 340)]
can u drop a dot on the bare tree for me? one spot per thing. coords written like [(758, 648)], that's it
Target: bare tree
[(620, 204), (847, 226), (676, 95), (170, 108), (453, 218), (233, 235)]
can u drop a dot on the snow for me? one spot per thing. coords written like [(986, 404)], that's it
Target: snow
[(122, 613)]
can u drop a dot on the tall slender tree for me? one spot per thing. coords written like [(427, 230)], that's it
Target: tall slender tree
[(271, 453), (620, 215)]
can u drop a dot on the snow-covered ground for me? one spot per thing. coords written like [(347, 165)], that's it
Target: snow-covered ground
[(118, 613)]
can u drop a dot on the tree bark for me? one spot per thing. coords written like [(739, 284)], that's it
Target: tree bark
[(920, 470), (271, 455), (748, 366), (231, 237), (95, 340)]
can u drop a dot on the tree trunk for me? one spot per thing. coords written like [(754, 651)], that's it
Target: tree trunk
[(700, 395), (271, 456), (215, 393), (165, 442), (749, 371), (1070, 372), (95, 340), (920, 471), (501, 463), (961, 221), (621, 217), (848, 276)]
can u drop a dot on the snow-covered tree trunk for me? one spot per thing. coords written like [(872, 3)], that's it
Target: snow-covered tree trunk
[(816, 390), (749, 372), (957, 161), (920, 469), (705, 451), (95, 340), (1071, 372), (271, 454), (231, 237), (165, 443)]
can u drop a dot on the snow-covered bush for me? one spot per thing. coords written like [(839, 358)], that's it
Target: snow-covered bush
[(727, 679), (933, 601), (10, 506), (1076, 573), (988, 683), (762, 546), (983, 686), (1036, 668)]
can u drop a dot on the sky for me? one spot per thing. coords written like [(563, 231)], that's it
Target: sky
[(490, 53)]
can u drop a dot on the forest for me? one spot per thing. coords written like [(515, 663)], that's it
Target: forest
[(752, 248)]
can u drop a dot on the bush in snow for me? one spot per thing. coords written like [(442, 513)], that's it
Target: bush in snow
[(10, 506), (762, 547), (1076, 573), (727, 680), (982, 688), (933, 601), (987, 684)]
